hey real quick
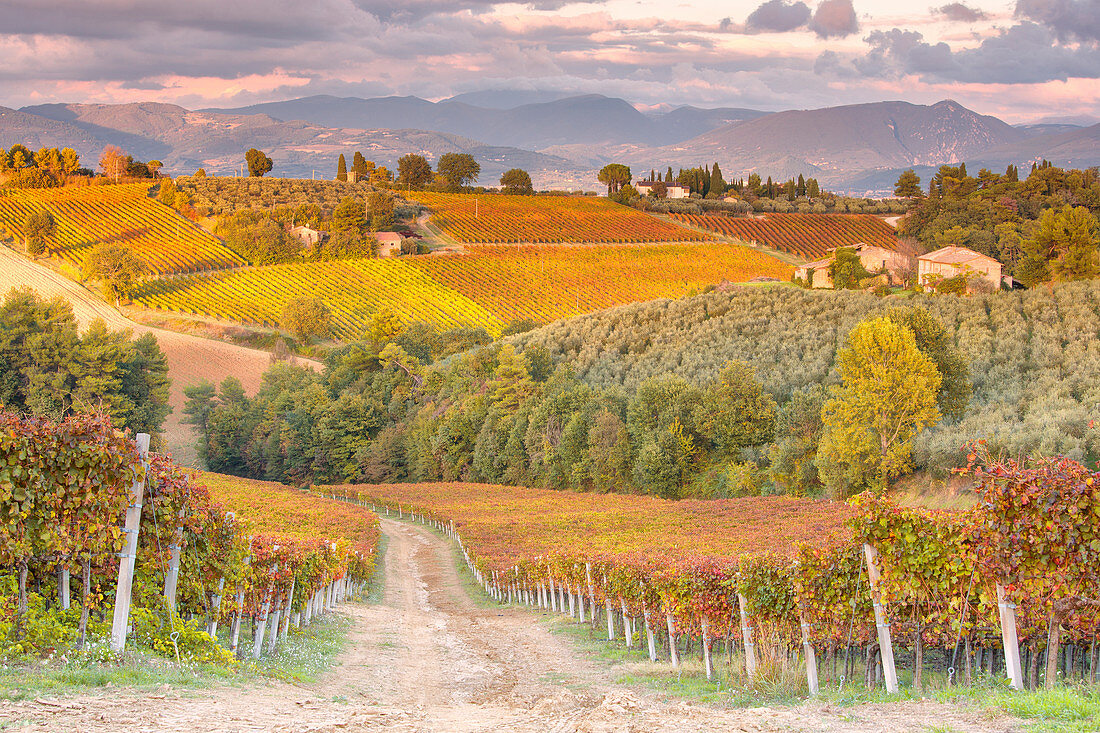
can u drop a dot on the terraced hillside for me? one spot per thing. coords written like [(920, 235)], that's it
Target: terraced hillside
[(88, 215), (487, 286), (498, 219), (807, 235)]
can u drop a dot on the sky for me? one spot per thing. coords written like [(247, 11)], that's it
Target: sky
[(1021, 60)]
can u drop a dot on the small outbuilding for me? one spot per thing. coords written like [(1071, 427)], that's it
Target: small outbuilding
[(309, 236), (389, 243)]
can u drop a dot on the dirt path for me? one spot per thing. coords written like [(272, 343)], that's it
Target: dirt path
[(428, 659), (190, 358)]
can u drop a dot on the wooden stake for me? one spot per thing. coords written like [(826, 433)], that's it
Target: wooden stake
[(673, 651), (649, 636), (886, 647), (610, 621), (746, 637), (121, 619), (811, 657), (215, 609), (1007, 612), (63, 595), (627, 632), (706, 649)]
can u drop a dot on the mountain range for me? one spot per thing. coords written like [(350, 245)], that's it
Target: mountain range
[(561, 141)]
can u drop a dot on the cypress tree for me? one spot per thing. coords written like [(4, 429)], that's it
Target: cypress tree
[(801, 185), (359, 165), (717, 183), (341, 169), (668, 174)]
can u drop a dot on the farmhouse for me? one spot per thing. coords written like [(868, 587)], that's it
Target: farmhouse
[(948, 262), (309, 236), (874, 259), (389, 243), (674, 190)]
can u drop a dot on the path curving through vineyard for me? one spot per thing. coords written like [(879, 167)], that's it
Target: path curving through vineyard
[(428, 658), (190, 358)]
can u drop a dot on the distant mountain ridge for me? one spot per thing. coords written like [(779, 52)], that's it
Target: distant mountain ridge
[(585, 119), (561, 142)]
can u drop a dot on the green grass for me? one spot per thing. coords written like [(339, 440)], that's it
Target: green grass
[(306, 653), (1063, 709)]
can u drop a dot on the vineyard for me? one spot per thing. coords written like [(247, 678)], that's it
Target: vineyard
[(807, 235), (89, 215), (485, 287), (499, 219), (353, 289), (998, 587), (193, 556)]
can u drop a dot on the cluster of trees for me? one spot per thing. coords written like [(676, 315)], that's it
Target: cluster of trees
[(1041, 228), (289, 200), (365, 170), (453, 172), (548, 408), (20, 168), (263, 237), (116, 164), (48, 368)]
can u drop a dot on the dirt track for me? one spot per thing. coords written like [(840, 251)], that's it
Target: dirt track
[(190, 358), (428, 659)]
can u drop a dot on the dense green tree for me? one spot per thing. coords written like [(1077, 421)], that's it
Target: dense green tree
[(307, 318), (1063, 246), (908, 185), (257, 237), (350, 216), (414, 171), (116, 267), (380, 210), (516, 181), (614, 176), (886, 397), (717, 184), (459, 169), (735, 412), (797, 434), (258, 163), (934, 342), (36, 227), (362, 167), (341, 168), (846, 269)]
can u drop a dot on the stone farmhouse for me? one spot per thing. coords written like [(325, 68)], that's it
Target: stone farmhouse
[(874, 259), (948, 262), (389, 243)]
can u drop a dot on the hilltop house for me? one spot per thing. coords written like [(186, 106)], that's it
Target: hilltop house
[(948, 262), (389, 243), (309, 236), (674, 190), (874, 259)]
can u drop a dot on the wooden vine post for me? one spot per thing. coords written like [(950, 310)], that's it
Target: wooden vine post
[(171, 578), (673, 651), (650, 638), (706, 648), (886, 647), (746, 636), (1006, 610), (811, 657), (128, 556)]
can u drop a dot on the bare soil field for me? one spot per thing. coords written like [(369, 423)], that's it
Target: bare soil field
[(190, 358), (428, 658)]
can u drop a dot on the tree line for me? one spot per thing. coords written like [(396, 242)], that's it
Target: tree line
[(627, 400), (1041, 228), (49, 368)]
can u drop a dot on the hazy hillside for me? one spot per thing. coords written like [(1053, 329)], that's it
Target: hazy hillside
[(1076, 148), (841, 140), (186, 140), (536, 125)]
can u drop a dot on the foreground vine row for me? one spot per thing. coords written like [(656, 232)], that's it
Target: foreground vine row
[(775, 575), (66, 488)]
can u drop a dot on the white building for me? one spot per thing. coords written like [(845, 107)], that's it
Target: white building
[(674, 190), (389, 243)]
